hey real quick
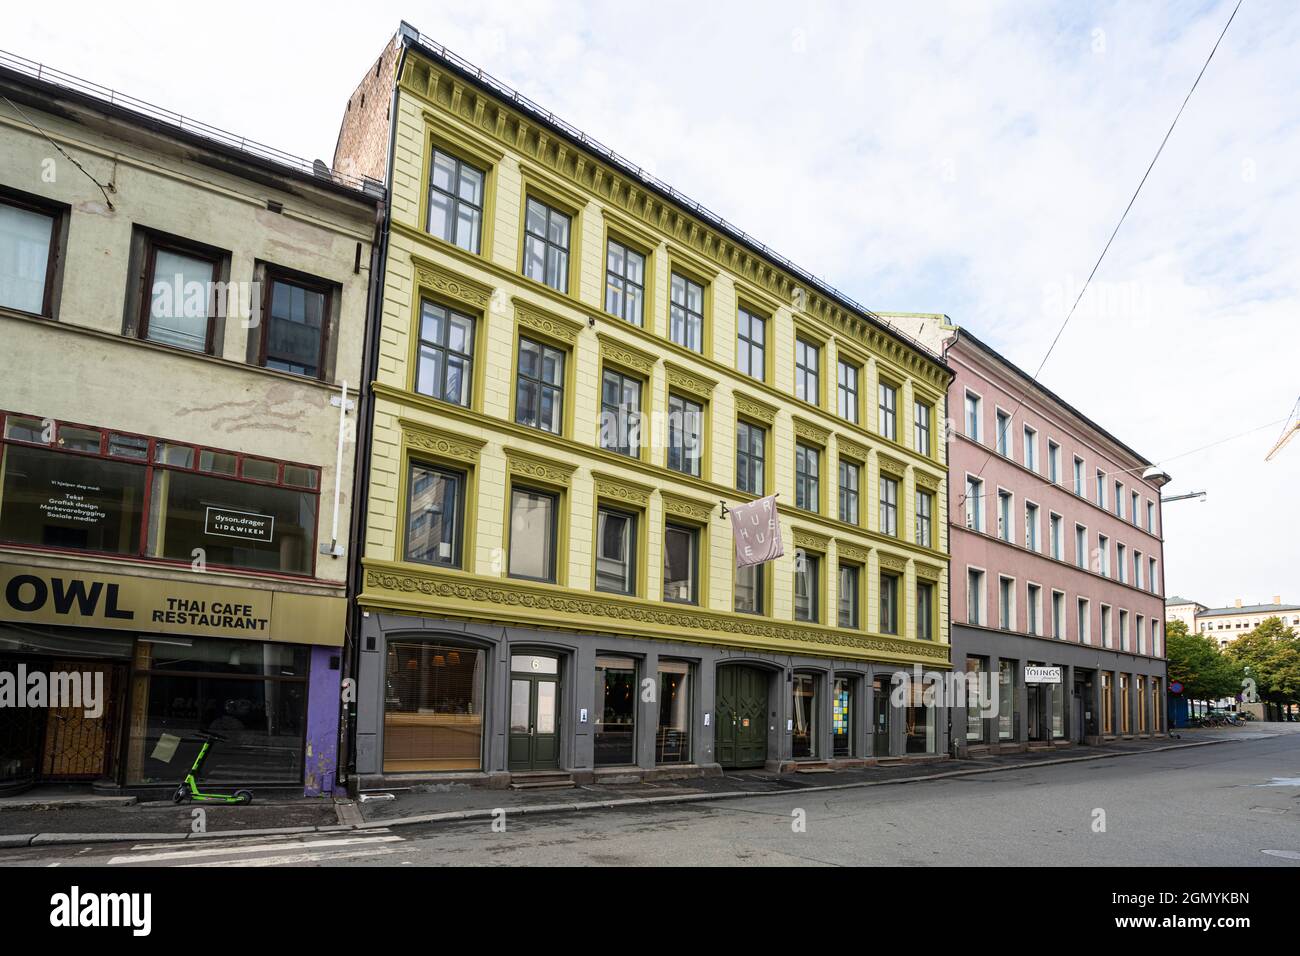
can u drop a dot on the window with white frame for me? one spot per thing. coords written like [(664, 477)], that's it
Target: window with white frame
[(1058, 615), (1080, 546), (1034, 608), (1031, 526), (1053, 462), (1031, 449), (974, 596), (973, 415), (1006, 603), (974, 504), (1004, 516), (1121, 556), (1078, 476), (1055, 543), (1003, 436), (1103, 555), (1083, 622)]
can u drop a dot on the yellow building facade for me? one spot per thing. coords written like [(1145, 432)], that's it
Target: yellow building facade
[(576, 375)]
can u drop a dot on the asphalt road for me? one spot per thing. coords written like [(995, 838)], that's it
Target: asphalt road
[(1234, 804)]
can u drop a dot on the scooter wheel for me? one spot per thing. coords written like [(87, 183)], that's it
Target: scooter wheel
[(180, 794), (243, 796)]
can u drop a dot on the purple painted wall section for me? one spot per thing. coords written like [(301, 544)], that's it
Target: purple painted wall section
[(322, 723)]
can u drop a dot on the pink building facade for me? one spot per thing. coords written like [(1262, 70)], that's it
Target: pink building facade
[(1057, 575)]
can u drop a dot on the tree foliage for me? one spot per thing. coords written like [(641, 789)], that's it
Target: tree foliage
[(1270, 656), (1196, 662)]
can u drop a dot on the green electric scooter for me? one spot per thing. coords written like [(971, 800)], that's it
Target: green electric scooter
[(189, 790)]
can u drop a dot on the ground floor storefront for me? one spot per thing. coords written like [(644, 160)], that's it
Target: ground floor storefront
[(120, 709), (491, 704), (1047, 692)]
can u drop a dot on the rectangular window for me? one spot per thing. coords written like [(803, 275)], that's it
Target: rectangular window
[(925, 519), (615, 551), (922, 417), (173, 316), (749, 589), (1056, 544), (681, 564), (1151, 516), (27, 255), (685, 438), (539, 387), (847, 390), (807, 372), (1137, 568), (1083, 623), (686, 313), (1058, 615), (807, 482), (1101, 488), (620, 413), (1031, 449), (850, 475), (456, 201), (848, 595), (750, 441), (974, 504), (546, 245), (973, 416), (1119, 499), (924, 611), (751, 344), (532, 534), (434, 515), (1031, 526), (1103, 555), (433, 706), (296, 322), (1053, 462), (1078, 476), (1105, 628), (445, 362), (806, 579), (888, 419), (889, 603), (889, 506), (1121, 560), (1006, 603), (974, 596), (1135, 514), (1003, 437), (1034, 608), (1005, 530), (624, 283), (1151, 575), (1080, 546)]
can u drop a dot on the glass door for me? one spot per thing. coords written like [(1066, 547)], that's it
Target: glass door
[(842, 718), (534, 713), (880, 717)]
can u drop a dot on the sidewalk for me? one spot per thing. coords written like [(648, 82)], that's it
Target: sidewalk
[(38, 820)]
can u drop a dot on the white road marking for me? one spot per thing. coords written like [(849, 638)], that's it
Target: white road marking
[(232, 840), (248, 848), (294, 859)]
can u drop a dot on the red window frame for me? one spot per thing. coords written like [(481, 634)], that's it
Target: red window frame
[(151, 465)]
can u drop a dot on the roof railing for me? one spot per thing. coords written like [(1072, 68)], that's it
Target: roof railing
[(46, 74), (506, 92)]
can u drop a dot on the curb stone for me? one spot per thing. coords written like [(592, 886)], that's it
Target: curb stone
[(455, 816)]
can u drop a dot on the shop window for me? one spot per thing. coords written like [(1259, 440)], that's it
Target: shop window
[(1006, 699), (842, 717), (976, 669), (433, 711), (91, 489), (673, 739), (919, 722), (253, 694), (803, 709), (616, 697)]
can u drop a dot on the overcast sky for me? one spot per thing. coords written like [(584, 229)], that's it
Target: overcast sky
[(968, 158)]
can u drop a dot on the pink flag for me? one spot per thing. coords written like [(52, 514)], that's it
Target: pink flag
[(756, 529)]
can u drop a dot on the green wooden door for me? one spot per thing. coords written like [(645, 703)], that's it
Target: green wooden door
[(534, 723), (741, 735)]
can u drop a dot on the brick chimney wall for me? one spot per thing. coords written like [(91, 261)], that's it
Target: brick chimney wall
[(362, 147)]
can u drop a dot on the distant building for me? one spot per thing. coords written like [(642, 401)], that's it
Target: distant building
[(1226, 624)]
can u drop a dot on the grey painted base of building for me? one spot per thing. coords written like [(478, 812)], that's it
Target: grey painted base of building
[(1033, 722), (577, 654)]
